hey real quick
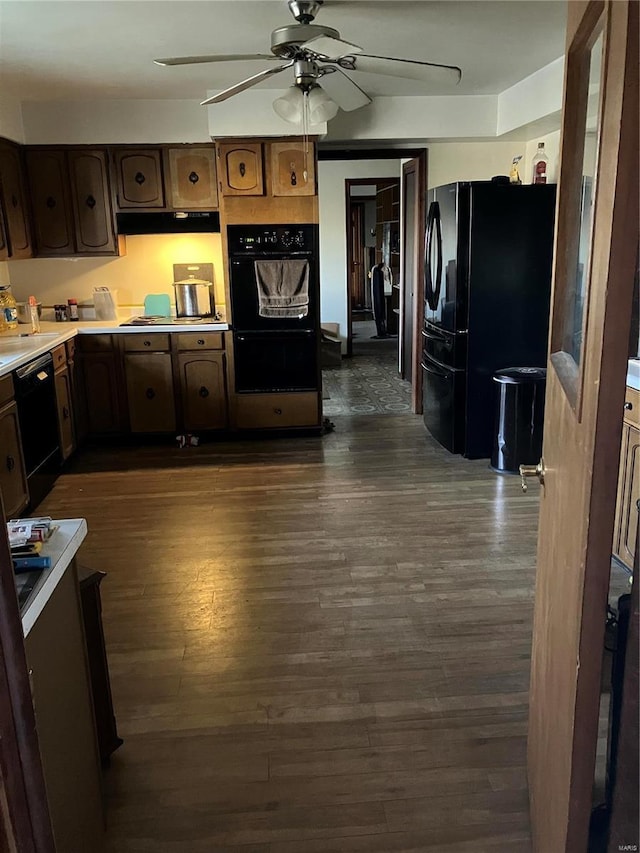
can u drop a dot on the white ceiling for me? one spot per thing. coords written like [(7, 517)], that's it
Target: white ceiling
[(84, 49)]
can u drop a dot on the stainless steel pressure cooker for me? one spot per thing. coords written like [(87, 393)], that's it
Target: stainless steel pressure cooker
[(194, 298)]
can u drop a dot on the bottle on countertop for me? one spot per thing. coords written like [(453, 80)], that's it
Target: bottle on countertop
[(8, 307), (33, 312), (73, 309), (540, 166)]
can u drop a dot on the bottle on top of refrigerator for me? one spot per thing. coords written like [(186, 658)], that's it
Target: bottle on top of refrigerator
[(540, 166), (8, 308)]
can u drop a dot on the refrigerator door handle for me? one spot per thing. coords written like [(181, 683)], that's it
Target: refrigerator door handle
[(438, 373), (432, 285), (447, 342)]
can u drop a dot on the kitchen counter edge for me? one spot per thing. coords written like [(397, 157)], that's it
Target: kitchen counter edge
[(52, 336), (62, 549)]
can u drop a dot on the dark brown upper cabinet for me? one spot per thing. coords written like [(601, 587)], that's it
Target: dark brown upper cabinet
[(50, 201), (13, 200), (241, 168), (139, 178), (4, 245), (71, 202), (292, 169), (93, 219), (191, 178)]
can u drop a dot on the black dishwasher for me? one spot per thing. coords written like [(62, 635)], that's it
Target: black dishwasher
[(36, 401)]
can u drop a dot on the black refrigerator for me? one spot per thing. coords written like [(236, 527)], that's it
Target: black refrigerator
[(488, 264)]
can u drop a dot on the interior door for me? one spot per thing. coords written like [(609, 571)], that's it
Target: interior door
[(414, 179), (356, 268), (596, 244)]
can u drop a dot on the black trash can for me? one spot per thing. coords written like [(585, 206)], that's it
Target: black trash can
[(519, 418)]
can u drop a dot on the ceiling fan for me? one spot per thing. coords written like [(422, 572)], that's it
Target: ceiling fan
[(315, 53)]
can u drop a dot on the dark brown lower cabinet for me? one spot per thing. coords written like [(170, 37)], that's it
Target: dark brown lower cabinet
[(13, 478), (101, 383), (65, 412), (149, 380), (204, 396)]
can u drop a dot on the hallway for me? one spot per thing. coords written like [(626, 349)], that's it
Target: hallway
[(368, 383), (316, 644)]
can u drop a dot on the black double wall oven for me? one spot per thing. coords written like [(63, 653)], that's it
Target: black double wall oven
[(274, 284)]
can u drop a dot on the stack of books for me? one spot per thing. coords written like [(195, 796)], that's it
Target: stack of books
[(26, 538)]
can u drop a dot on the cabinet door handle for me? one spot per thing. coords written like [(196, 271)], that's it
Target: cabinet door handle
[(14, 201), (90, 202), (204, 392), (146, 343), (50, 202), (200, 342), (242, 168), (628, 405), (11, 463), (139, 178), (294, 179), (194, 177), (150, 393), (277, 411), (65, 412)]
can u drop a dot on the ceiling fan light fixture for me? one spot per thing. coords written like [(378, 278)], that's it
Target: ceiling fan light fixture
[(321, 107), (290, 105)]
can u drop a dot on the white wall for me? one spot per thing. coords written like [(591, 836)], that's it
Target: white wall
[(332, 175), (113, 122), (146, 268), (470, 161), (11, 125)]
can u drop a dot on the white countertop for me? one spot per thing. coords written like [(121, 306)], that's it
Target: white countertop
[(62, 548), (18, 347), (633, 373)]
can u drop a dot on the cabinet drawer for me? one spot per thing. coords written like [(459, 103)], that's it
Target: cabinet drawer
[(155, 342), (95, 343), (6, 390), (200, 340), (632, 407), (59, 356), (273, 411)]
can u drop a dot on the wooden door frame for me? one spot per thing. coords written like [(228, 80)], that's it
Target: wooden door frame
[(582, 441), (24, 807), (417, 166), (348, 183)]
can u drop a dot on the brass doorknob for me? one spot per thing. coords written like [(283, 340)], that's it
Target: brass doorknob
[(532, 471)]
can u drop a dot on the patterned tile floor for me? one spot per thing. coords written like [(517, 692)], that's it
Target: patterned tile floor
[(368, 383)]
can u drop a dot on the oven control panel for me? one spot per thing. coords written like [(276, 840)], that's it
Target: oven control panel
[(271, 239)]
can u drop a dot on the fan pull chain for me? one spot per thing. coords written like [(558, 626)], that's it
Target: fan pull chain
[(305, 135)]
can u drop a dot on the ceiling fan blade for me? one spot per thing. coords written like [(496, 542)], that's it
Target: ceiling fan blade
[(341, 89), (196, 60), (330, 48), (245, 84), (427, 72)]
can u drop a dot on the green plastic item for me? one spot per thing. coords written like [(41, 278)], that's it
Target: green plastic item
[(157, 305)]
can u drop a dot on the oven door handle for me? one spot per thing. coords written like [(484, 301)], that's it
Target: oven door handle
[(267, 333)]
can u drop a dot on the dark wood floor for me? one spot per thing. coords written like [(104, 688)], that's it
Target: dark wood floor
[(316, 644)]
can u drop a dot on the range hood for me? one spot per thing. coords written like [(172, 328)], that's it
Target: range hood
[(172, 222)]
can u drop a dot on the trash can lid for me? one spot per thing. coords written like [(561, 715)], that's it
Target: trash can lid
[(517, 375)]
